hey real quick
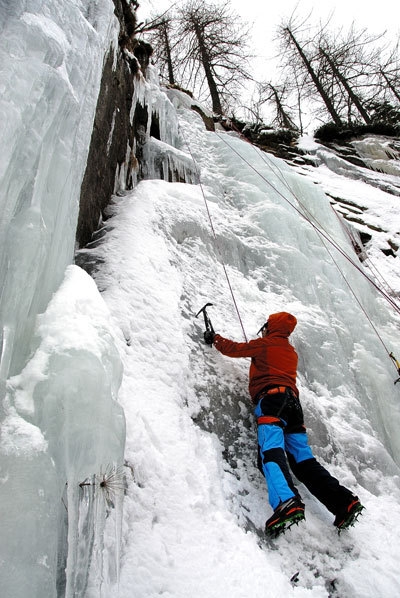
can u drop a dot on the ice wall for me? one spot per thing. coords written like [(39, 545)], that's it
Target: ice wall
[(162, 155), (62, 431), (197, 504), (291, 265), (51, 57)]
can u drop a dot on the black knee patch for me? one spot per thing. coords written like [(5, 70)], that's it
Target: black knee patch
[(277, 455)]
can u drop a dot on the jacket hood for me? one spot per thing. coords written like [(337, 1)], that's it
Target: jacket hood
[(282, 323)]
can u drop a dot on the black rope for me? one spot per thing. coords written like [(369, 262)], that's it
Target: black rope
[(215, 236)]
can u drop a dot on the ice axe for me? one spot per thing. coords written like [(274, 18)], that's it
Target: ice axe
[(209, 332), (397, 364)]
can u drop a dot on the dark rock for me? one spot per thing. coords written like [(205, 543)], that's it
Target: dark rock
[(112, 134), (116, 141)]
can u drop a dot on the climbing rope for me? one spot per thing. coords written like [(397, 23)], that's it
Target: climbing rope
[(315, 224), (382, 282), (215, 240), (306, 214), (366, 259), (283, 180), (325, 237), (356, 298)]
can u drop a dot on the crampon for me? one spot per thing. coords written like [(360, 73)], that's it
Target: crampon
[(349, 517), (287, 514)]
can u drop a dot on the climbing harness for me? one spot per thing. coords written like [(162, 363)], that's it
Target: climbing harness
[(325, 236)]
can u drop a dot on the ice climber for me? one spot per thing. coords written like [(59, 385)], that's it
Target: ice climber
[(281, 430)]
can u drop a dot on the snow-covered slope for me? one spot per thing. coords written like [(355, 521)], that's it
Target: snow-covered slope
[(196, 503), (368, 198)]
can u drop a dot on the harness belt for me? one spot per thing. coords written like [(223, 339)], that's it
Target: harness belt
[(269, 419), (275, 390), (271, 391), (273, 419)]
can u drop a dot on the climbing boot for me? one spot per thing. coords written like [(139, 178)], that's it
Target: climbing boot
[(348, 516), (289, 512)]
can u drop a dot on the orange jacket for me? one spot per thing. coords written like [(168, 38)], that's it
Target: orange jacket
[(273, 358)]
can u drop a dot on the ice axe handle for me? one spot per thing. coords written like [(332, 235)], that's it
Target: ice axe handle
[(207, 321)]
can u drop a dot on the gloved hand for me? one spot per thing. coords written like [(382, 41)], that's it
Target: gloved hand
[(209, 337)]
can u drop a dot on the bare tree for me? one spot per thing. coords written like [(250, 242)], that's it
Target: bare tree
[(161, 39), (303, 59), (338, 68), (213, 50), (348, 59), (277, 95), (388, 70), (352, 97)]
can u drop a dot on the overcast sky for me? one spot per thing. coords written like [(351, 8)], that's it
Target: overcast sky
[(378, 15), (265, 16), (375, 16)]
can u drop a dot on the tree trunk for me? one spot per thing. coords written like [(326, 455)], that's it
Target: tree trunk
[(327, 100), (351, 94), (167, 47), (390, 85), (212, 85), (283, 117)]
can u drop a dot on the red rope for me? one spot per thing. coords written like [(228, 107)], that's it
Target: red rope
[(319, 229)]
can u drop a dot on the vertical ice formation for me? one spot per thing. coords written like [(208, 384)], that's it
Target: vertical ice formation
[(51, 57), (61, 429)]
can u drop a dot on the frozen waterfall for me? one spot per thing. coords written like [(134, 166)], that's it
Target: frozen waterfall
[(107, 387), (196, 504), (62, 431)]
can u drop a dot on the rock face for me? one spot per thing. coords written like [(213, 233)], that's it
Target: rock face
[(124, 122), (116, 139)]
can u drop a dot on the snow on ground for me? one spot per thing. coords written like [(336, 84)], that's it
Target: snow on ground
[(370, 209), (196, 503)]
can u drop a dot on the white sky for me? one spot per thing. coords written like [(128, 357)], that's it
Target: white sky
[(377, 16), (266, 16)]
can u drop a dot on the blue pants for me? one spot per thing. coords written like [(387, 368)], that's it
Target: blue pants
[(283, 441)]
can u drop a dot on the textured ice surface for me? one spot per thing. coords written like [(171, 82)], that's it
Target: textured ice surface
[(51, 58), (60, 423), (63, 427)]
